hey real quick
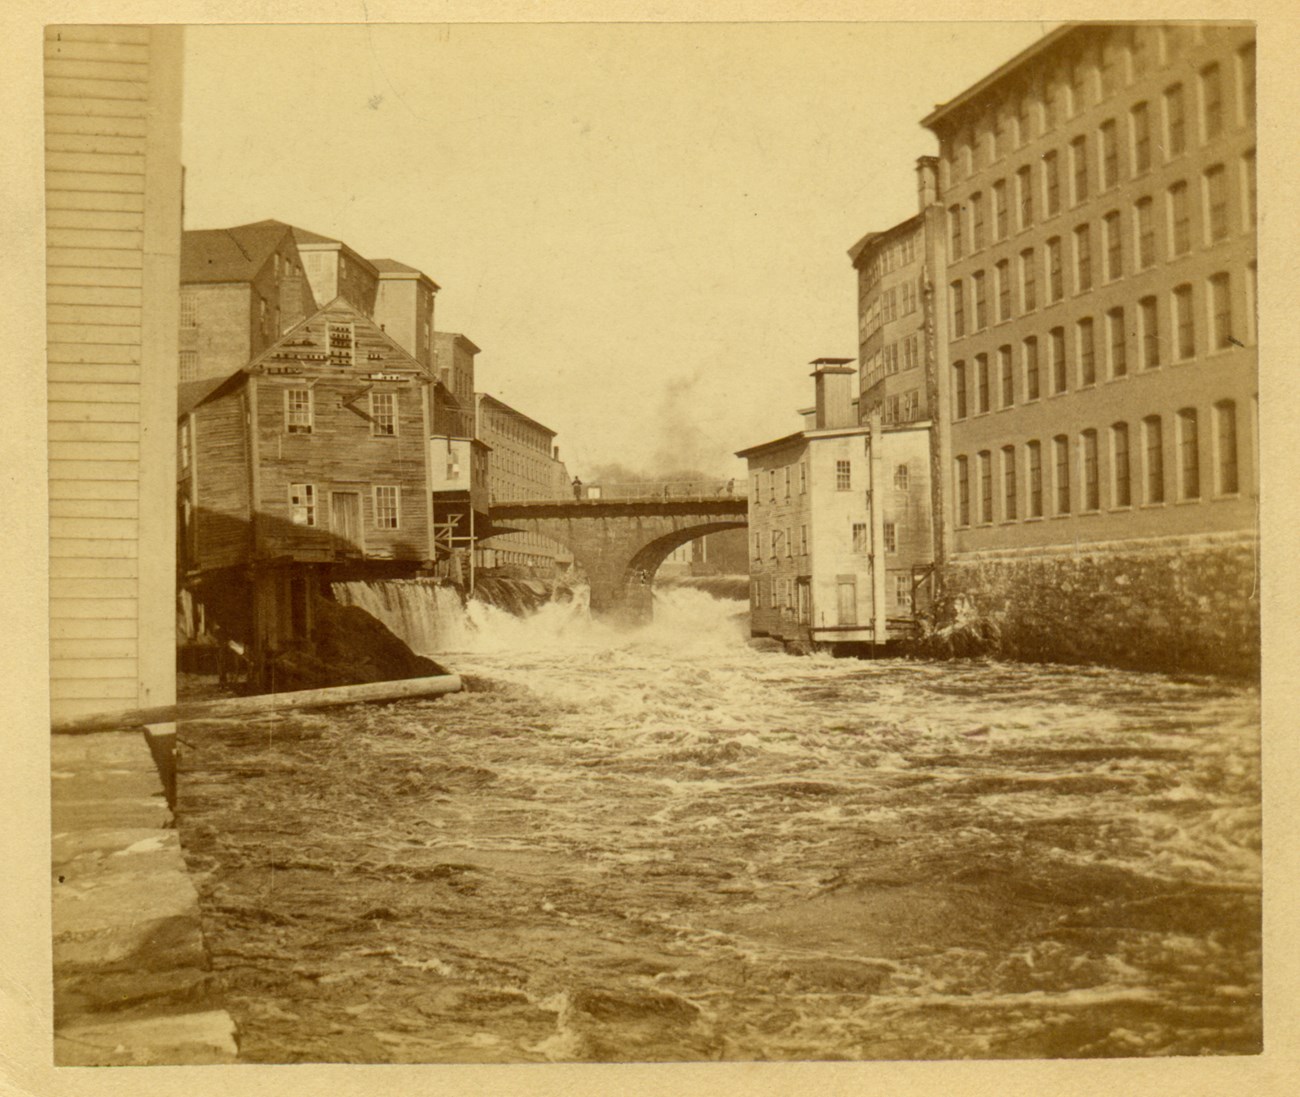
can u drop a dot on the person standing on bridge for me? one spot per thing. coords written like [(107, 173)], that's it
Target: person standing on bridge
[(577, 488)]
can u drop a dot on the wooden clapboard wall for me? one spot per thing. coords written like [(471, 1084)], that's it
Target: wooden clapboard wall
[(113, 224)]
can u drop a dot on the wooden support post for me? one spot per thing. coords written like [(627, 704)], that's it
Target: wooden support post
[(131, 719)]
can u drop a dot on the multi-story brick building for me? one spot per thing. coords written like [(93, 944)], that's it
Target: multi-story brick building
[(839, 524), (1098, 362), (524, 464), (459, 462), (241, 289)]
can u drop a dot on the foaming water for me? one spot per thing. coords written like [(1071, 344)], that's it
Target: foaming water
[(660, 843)]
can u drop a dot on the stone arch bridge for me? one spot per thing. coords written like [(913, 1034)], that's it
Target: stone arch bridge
[(620, 542)]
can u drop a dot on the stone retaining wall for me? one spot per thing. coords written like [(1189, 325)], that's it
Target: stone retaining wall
[(1181, 605)]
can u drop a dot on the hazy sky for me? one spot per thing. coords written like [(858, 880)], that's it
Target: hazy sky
[(643, 226)]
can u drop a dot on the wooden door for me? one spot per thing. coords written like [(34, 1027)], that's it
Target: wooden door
[(345, 521), (847, 589)]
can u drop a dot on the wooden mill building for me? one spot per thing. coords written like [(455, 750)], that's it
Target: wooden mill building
[(306, 466)]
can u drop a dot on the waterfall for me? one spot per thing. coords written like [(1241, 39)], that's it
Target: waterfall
[(426, 613)]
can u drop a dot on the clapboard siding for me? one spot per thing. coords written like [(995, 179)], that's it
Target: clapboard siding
[(112, 175), (223, 518)]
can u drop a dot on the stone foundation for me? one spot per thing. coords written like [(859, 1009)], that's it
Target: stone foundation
[(1178, 605)]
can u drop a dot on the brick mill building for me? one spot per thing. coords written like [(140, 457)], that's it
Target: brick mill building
[(1097, 402)]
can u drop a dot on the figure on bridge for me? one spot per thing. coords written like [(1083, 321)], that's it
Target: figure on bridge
[(577, 488)]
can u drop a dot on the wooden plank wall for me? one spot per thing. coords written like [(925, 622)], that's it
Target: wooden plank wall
[(113, 190)]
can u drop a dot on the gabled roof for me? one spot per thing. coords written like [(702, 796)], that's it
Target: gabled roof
[(340, 305), (393, 268), (229, 255), (501, 405), (190, 394), (303, 236)]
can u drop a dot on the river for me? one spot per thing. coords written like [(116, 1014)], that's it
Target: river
[(664, 845)]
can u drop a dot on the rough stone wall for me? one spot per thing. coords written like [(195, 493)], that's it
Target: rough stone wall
[(1180, 607)]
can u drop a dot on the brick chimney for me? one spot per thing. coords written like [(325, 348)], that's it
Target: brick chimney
[(833, 378)]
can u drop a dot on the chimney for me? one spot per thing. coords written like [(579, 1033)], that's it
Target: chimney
[(927, 180), (833, 378)]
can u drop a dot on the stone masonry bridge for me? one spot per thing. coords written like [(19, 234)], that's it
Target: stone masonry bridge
[(619, 539)]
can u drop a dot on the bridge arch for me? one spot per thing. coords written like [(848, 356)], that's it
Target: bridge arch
[(615, 542)]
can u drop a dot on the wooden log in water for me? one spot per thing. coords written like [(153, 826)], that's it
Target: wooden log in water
[(131, 719)]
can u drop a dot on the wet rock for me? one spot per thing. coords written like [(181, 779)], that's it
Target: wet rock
[(616, 1005)]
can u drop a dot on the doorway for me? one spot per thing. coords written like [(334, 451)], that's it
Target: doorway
[(345, 521)]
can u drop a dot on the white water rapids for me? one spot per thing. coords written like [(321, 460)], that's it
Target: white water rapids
[(662, 844)]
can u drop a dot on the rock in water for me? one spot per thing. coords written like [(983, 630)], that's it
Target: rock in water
[(350, 647)]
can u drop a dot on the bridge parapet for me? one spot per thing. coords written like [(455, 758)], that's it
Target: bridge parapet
[(661, 489)]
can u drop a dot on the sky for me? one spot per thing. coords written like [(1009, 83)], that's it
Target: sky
[(643, 226)]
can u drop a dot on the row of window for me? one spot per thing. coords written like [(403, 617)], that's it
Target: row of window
[(900, 356), (1215, 216), (300, 412), (1100, 347), (887, 306), (508, 425), (385, 501), (794, 595), (787, 476), (780, 542), (1036, 108), (891, 256), (1132, 467)]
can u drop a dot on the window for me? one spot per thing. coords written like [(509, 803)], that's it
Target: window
[(958, 309), (981, 383), (963, 491), (342, 350), (1141, 122), (1252, 293), (189, 309), (1034, 464), (1175, 121), (1025, 189), (803, 477), (302, 504), (890, 534), (1059, 378), (1211, 102), (977, 220), (775, 543), (986, 486), (1109, 154), (1083, 258), (981, 301), (1087, 352), (189, 363), (386, 508), (1144, 221), (1078, 86), (1061, 448), (1031, 368), (185, 445), (787, 481), (1088, 453), (1149, 330), (297, 411), (1001, 218), (1216, 204), (1003, 273), (1153, 444), (1008, 483), (771, 484), (1023, 128), (901, 477), (903, 592), (1180, 223), (1007, 376), (861, 537), (1111, 64), (1052, 182), (1220, 311), (1117, 340), (383, 413), (1225, 444), (758, 545), (1055, 276), (843, 476), (954, 231), (1184, 323), (1113, 238), (1123, 488), (1189, 457), (1079, 168), (959, 390), (1028, 281), (803, 540), (1248, 185), (789, 543), (1246, 78)]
